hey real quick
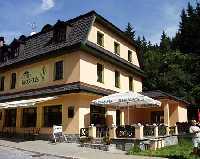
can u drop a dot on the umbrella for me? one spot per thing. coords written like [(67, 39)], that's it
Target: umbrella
[(126, 99)]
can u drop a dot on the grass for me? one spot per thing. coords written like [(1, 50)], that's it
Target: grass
[(181, 151)]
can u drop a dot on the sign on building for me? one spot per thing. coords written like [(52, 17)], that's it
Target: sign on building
[(33, 76)]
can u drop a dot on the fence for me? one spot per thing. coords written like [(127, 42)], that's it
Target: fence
[(137, 131)]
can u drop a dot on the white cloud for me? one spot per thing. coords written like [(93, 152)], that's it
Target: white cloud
[(47, 4)]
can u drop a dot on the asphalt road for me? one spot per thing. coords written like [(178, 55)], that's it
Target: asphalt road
[(12, 153)]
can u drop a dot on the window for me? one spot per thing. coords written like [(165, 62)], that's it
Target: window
[(58, 69), (16, 52), (116, 48), (60, 31), (13, 81), (100, 39), (129, 56), (100, 73), (0, 115), (70, 112), (2, 79), (117, 79), (10, 117), (157, 117), (29, 117), (97, 115), (52, 115), (130, 83)]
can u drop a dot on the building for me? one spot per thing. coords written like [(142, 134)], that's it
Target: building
[(51, 78)]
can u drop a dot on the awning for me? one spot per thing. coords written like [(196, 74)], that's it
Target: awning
[(25, 103), (125, 99)]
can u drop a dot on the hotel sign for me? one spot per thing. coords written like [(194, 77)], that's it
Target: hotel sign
[(34, 76)]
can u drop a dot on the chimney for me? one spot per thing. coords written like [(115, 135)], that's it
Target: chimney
[(1, 41)]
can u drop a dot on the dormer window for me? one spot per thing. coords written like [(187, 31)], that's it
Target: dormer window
[(59, 33), (16, 52), (15, 47)]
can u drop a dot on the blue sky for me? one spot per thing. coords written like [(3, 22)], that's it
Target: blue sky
[(149, 17)]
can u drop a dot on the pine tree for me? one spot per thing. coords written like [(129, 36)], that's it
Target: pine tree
[(129, 31), (165, 43)]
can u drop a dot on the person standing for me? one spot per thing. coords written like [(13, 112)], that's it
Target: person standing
[(195, 130)]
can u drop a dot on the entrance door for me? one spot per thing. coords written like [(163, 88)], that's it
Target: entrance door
[(97, 115), (118, 117)]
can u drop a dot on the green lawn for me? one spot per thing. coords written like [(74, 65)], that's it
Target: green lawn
[(181, 151)]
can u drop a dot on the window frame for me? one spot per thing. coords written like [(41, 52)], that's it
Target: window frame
[(117, 79), (116, 48), (26, 114), (69, 110), (56, 73), (48, 123), (101, 35), (13, 85), (130, 56), (2, 83), (131, 87), (102, 73)]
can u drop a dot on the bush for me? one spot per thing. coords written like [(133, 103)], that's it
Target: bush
[(134, 150)]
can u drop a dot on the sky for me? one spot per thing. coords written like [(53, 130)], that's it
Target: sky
[(149, 17)]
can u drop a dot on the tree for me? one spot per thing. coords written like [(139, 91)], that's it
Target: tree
[(129, 31), (165, 43)]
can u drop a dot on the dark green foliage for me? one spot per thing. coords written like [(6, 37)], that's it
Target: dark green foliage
[(165, 43), (187, 38), (181, 151), (174, 65), (129, 31)]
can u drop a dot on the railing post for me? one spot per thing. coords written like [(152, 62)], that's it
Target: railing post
[(155, 130), (167, 130), (139, 131), (176, 130), (112, 132), (92, 131)]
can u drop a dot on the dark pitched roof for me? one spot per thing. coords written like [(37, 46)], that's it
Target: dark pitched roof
[(157, 94), (75, 87), (36, 46), (39, 43)]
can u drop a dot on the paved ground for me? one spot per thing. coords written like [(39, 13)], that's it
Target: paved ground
[(12, 153), (45, 150)]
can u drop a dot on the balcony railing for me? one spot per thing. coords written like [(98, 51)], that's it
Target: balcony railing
[(148, 130), (102, 132), (162, 130)]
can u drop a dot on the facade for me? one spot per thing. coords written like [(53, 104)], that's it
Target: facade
[(75, 62)]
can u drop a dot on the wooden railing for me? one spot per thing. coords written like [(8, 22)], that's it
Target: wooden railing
[(162, 130), (148, 130), (102, 132)]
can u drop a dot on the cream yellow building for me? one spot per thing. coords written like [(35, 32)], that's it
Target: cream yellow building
[(75, 62)]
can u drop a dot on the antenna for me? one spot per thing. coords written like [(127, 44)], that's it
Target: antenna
[(33, 28)]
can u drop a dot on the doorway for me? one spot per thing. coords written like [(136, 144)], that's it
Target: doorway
[(118, 112)]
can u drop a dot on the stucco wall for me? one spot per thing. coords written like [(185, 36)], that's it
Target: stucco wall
[(88, 74), (182, 111), (109, 39), (71, 72)]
